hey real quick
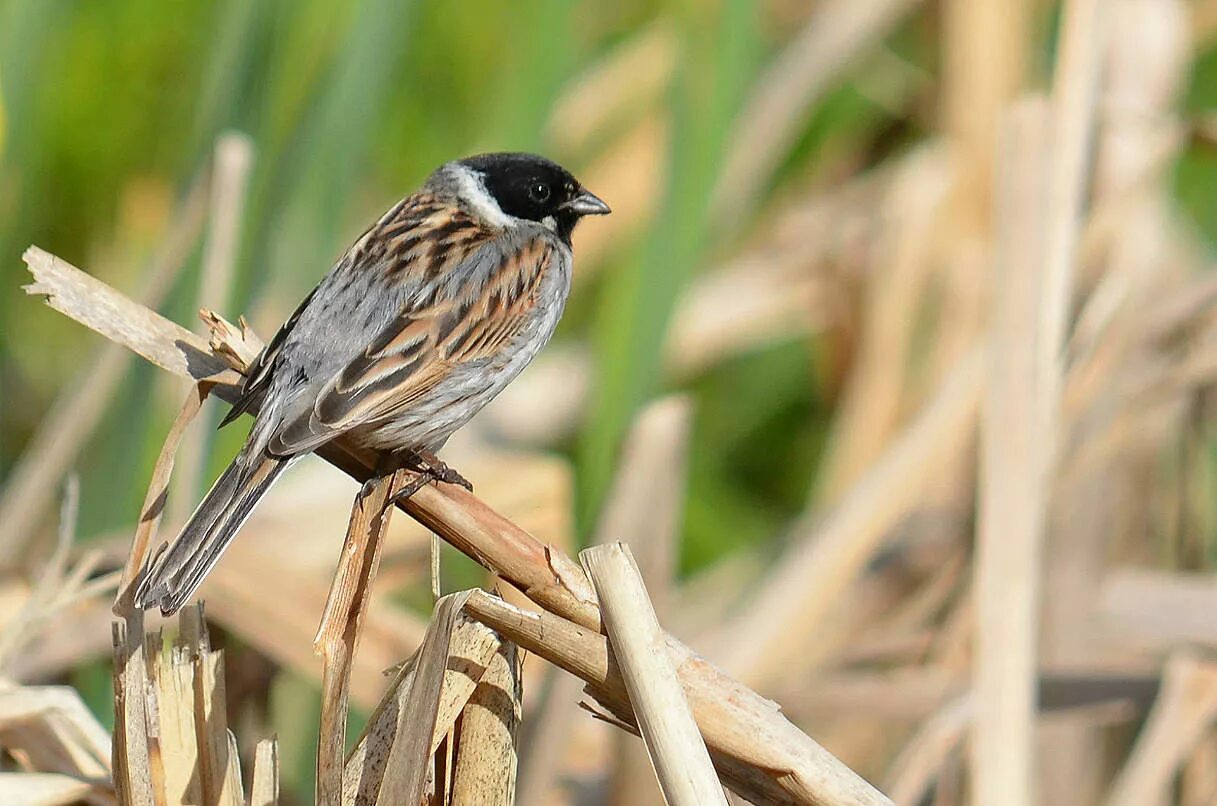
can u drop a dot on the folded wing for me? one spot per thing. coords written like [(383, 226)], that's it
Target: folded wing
[(418, 351)]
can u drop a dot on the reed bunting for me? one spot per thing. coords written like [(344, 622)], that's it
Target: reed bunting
[(433, 310)]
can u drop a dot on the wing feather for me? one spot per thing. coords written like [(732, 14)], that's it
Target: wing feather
[(258, 377), (421, 348)]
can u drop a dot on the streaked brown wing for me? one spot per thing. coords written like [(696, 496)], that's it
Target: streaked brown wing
[(257, 379), (407, 216), (419, 350)]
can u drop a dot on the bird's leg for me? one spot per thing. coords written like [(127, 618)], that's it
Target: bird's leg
[(366, 489), (420, 481), (441, 471), (429, 468)]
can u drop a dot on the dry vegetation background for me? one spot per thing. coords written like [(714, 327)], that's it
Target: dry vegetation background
[(892, 366)]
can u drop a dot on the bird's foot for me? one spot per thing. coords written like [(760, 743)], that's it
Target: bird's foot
[(429, 468)]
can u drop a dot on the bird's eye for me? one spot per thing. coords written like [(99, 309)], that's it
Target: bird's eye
[(538, 192)]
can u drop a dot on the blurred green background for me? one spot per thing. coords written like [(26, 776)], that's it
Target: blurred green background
[(111, 109)]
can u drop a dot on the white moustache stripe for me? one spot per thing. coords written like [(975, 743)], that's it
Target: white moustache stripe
[(473, 193)]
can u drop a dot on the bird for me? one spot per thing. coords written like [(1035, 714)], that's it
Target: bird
[(431, 312)]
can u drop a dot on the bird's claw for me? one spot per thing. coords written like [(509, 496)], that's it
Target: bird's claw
[(429, 468), (450, 476)]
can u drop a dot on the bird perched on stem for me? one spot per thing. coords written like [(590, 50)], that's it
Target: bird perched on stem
[(430, 314)]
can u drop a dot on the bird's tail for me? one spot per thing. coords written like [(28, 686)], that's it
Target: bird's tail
[(179, 569)]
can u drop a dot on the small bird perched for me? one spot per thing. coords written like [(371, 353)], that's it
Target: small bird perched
[(430, 314)]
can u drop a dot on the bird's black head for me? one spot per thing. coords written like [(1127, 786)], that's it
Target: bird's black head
[(535, 189)]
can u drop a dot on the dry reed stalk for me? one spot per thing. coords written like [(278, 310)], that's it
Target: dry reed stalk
[(190, 735), (232, 163), (470, 646), (985, 45), (1013, 484), (75, 413), (342, 622), (746, 750), (175, 746), (1143, 251), (154, 501), (1186, 707), (644, 505), (985, 50), (644, 509), (418, 732), (57, 742), (58, 587), (1074, 91), (831, 552), (790, 763), (677, 751), (264, 786), (47, 789), (133, 775), (837, 35), (485, 768), (1130, 44), (137, 777)]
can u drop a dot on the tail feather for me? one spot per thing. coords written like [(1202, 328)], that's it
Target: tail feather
[(179, 570)]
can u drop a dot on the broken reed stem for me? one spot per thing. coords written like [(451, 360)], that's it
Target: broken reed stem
[(133, 779), (406, 769), (765, 751), (171, 737), (154, 501), (677, 751), (341, 624), (469, 647), (264, 788), (487, 756)]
